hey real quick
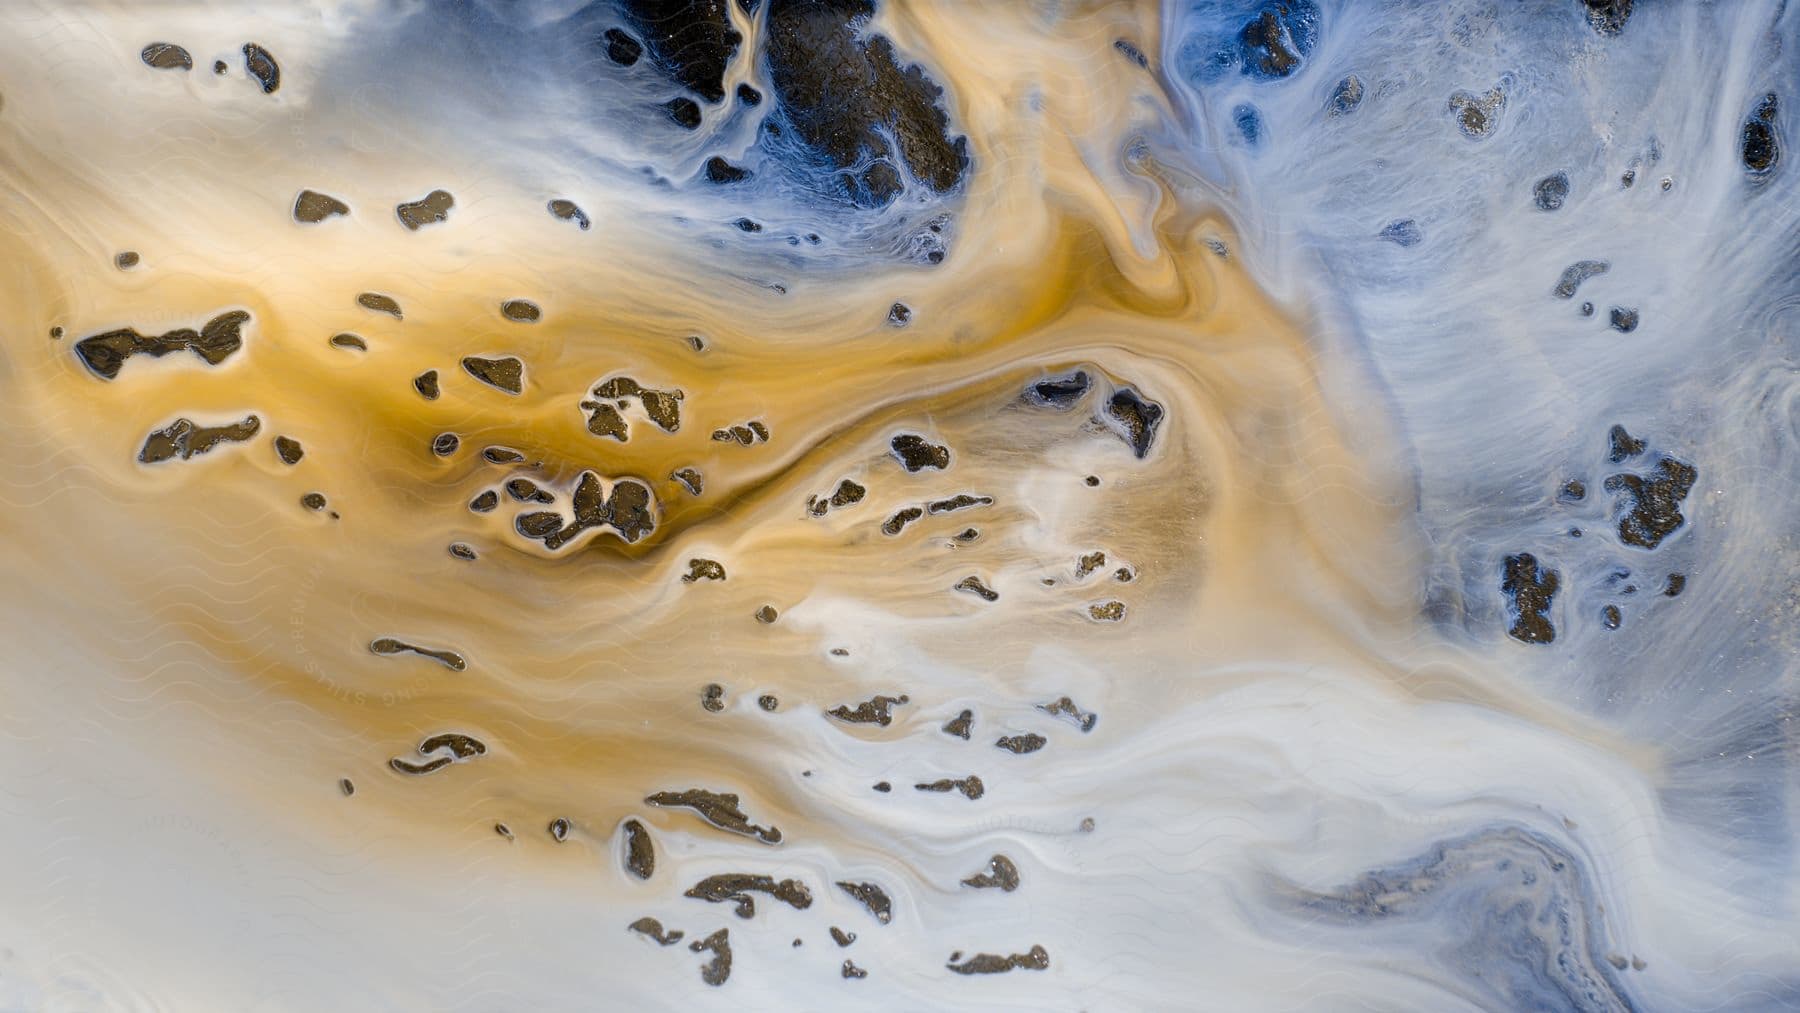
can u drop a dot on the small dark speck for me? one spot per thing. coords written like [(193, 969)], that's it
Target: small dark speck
[(1610, 617), (346, 787), (1092, 480), (219, 67), (56, 333), (685, 112), (767, 614), (127, 260), (899, 314), (503, 830), (1587, 309), (748, 95), (1551, 191), (1677, 584), (1624, 320), (1668, 183), (883, 786), (768, 702), (746, 225)]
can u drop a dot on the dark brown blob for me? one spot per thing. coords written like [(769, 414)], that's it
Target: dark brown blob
[(346, 787), (1131, 52), (1089, 563), (462, 550), (105, 354), (526, 491), (1760, 148), (874, 711), (503, 830), (974, 585), (1572, 491), (970, 786), (846, 494), (842, 938), (389, 646), (1092, 481), (219, 67), (313, 501), (745, 435), (987, 963), (462, 746), (712, 697), (767, 615), (899, 314), (502, 455), (1530, 588), (703, 569), (1576, 273), (1346, 96), (967, 535), (426, 384), (768, 702), (1135, 418), (663, 407), (166, 56), (289, 450), (1677, 583), (873, 897), (1066, 707), (685, 112), (883, 787), (628, 510), (850, 970), (718, 969), (569, 212), (1477, 115), (312, 207), (651, 927), (559, 829), (961, 501), (505, 373), (1611, 617), (1550, 192), (184, 438), (523, 311), (960, 725), (1107, 611), (640, 852), (427, 210), (621, 48), (719, 171), (1607, 17), (1002, 874), (1623, 319), (262, 66), (126, 260), (484, 502), (348, 340), (915, 453), (1653, 502), (718, 808), (897, 523), (56, 333), (406, 766), (605, 420), (445, 444), (1029, 742), (1059, 392), (380, 304), (1621, 444), (738, 886)]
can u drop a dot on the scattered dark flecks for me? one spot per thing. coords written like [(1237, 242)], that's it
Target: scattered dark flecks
[(842, 938), (1132, 52), (621, 48), (380, 304), (1346, 96), (767, 615), (1607, 17), (1621, 444), (1610, 617), (640, 851), (850, 970), (1654, 502), (1092, 481), (1029, 742), (105, 354), (1677, 583), (961, 501), (915, 453), (1477, 115), (744, 434), (1576, 273), (970, 786), (445, 444), (126, 260), (1550, 192), (899, 314), (901, 518), (1587, 309), (747, 225), (502, 455), (462, 550), (499, 828), (390, 646), (877, 710), (289, 450), (717, 808), (960, 725), (559, 829), (738, 886), (427, 210), (1107, 611), (873, 897), (648, 926), (1002, 874), (219, 67), (484, 502), (166, 56), (1623, 319), (974, 585), (628, 510), (1066, 707), (690, 479), (346, 787), (1401, 232), (1037, 959), (522, 311), (691, 41), (768, 702), (426, 384), (312, 207), (185, 438), (1136, 417), (1760, 149), (684, 112), (662, 407), (718, 170), (347, 340), (883, 787), (1059, 392), (712, 697), (314, 501), (525, 490), (1089, 563), (1529, 589), (846, 95), (262, 66), (748, 95), (568, 211), (505, 373), (846, 494), (703, 569), (718, 969)]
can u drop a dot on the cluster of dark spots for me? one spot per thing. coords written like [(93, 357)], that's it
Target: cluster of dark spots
[(640, 851), (462, 550), (747, 225), (621, 48), (703, 569), (749, 95), (842, 938), (718, 969), (1037, 959), (767, 615), (1576, 273), (975, 586), (648, 926), (768, 702), (559, 829), (1621, 445), (261, 65), (1623, 319), (690, 479), (459, 748), (185, 438), (1402, 232), (717, 808), (850, 970), (877, 710), (1610, 617), (126, 260), (846, 494), (1135, 418), (312, 207), (1066, 707), (105, 354), (346, 787), (289, 450), (1761, 150), (499, 828), (628, 510), (1529, 589), (426, 384), (502, 455), (427, 210), (379, 303), (899, 314), (1059, 392), (685, 113), (504, 373), (568, 211), (901, 518), (712, 697), (314, 501), (719, 171), (345, 339), (1029, 742), (1001, 874), (1550, 192), (873, 897), (737, 888), (1677, 583), (1346, 96), (522, 311), (524, 490), (390, 646), (484, 502), (1477, 115), (1132, 52), (662, 407), (970, 786), (1107, 611), (1653, 502), (961, 501), (743, 434), (1607, 17), (166, 56), (960, 725), (915, 453)]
